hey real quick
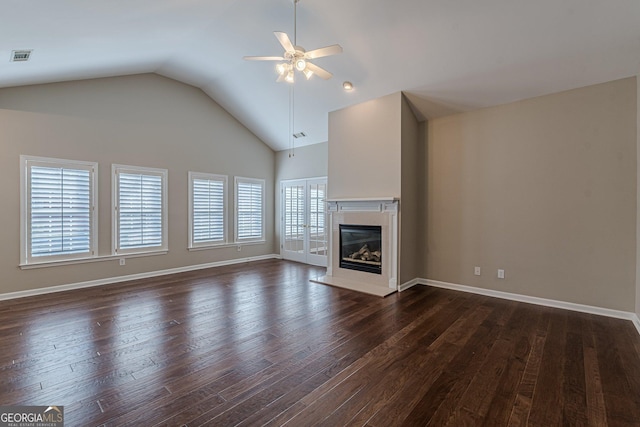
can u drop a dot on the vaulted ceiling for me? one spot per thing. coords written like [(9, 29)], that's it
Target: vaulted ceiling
[(447, 56)]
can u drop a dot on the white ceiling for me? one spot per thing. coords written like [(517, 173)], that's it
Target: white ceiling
[(447, 55)]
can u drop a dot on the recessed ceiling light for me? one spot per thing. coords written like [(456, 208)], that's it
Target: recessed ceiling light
[(347, 86)]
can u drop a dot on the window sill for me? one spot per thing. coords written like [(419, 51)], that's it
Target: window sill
[(249, 242), (44, 264), (227, 245)]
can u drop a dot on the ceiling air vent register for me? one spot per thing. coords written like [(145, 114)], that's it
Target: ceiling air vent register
[(20, 55)]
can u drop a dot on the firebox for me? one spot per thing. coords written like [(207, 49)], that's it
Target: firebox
[(361, 247)]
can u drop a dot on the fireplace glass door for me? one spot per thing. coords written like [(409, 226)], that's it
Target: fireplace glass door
[(361, 247), (303, 229)]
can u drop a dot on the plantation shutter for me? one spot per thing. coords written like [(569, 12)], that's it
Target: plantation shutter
[(60, 205), (208, 210), (140, 210), (249, 209)]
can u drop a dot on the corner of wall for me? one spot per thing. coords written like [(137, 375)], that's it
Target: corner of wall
[(422, 197), (409, 190), (638, 200)]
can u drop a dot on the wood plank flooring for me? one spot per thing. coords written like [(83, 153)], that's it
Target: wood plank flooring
[(258, 344)]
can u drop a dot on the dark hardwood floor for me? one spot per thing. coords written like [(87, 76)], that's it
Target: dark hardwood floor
[(258, 344)]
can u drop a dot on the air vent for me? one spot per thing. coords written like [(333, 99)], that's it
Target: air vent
[(20, 55), (299, 135)]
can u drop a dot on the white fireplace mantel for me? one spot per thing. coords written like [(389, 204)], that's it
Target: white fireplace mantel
[(365, 199), (381, 211), (378, 204)]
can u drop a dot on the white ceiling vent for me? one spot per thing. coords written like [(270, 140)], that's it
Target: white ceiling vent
[(20, 55), (299, 135)]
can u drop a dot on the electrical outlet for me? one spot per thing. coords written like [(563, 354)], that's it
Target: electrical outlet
[(476, 271), (500, 274), (238, 248), (122, 261)]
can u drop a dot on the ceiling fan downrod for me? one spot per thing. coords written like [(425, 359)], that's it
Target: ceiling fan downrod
[(295, 22)]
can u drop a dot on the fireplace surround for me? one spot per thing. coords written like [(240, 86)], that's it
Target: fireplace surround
[(382, 213)]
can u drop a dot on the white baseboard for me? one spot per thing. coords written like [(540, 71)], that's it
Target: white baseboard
[(636, 322), (409, 284), (109, 280), (618, 314)]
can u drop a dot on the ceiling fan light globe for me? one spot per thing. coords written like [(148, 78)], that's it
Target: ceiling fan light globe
[(281, 68), (301, 64), (289, 77)]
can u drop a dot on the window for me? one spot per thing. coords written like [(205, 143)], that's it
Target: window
[(249, 209), (140, 209), (58, 220), (207, 205)]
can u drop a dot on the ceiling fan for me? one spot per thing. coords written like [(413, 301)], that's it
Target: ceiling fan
[(296, 57)]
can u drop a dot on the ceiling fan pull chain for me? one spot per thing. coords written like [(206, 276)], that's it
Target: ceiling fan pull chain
[(291, 121)]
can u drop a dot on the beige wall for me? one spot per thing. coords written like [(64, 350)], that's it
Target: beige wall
[(409, 242), (308, 162), (364, 149), (545, 189), (142, 120)]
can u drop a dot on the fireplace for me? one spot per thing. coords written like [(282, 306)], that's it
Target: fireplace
[(361, 248), (354, 223)]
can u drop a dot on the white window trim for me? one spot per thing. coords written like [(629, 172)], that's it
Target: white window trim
[(225, 237), (25, 225), (240, 179), (164, 174)]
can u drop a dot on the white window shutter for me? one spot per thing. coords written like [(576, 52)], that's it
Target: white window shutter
[(207, 209), (249, 209), (140, 209), (60, 211), (58, 220)]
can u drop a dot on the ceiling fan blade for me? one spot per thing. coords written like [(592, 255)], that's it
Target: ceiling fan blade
[(283, 38), (264, 58), (320, 72), (334, 49), (281, 78)]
